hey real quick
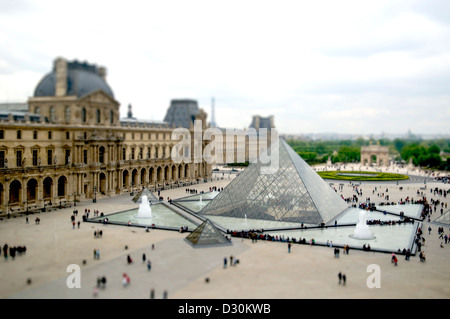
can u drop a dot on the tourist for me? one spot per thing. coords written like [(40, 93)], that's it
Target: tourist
[(340, 277), (143, 257), (95, 292), (5, 251), (129, 260), (422, 256), (125, 280), (289, 247), (225, 262), (149, 265), (408, 254)]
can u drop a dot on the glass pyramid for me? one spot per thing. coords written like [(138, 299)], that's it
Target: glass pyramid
[(293, 193), (207, 234), (145, 191)]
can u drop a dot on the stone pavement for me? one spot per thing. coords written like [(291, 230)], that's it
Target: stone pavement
[(265, 269)]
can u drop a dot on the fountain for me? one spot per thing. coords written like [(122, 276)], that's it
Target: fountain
[(362, 229), (145, 211), (200, 199)]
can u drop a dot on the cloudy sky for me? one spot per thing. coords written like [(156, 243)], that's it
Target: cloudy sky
[(317, 66)]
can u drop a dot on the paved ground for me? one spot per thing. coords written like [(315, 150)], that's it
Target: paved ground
[(265, 269)]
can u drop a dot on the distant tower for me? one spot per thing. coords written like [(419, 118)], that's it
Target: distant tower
[(213, 116), (130, 112)]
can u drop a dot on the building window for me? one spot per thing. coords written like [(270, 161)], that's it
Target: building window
[(85, 135), (111, 117), (67, 135), (52, 114), (67, 114), (85, 156), (19, 134), (124, 154), (156, 152), (67, 157), (2, 158), (132, 136), (34, 135), (98, 116), (141, 153), (148, 152), (35, 157), (132, 153), (49, 135), (18, 158), (49, 157), (101, 155), (2, 134), (37, 110), (83, 115)]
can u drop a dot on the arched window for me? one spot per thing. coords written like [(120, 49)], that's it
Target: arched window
[(83, 115)]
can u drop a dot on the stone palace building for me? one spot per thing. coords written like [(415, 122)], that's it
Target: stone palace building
[(70, 144)]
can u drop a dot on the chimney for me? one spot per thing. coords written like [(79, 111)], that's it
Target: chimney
[(102, 72), (60, 68)]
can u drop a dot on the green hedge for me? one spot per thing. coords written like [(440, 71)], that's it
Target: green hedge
[(375, 176)]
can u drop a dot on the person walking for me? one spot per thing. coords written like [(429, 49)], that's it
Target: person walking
[(144, 258), (289, 247), (103, 282), (149, 265), (344, 279), (5, 251), (225, 262), (340, 277)]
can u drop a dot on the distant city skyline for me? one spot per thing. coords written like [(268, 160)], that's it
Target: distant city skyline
[(346, 67)]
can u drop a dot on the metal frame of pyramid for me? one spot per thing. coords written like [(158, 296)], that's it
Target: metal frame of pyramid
[(145, 191), (207, 234), (293, 193)]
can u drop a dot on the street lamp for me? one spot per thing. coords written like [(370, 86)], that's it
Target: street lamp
[(95, 195)]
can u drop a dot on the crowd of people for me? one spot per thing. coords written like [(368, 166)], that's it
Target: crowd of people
[(12, 251)]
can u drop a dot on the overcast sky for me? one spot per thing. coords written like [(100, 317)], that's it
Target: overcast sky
[(317, 66)]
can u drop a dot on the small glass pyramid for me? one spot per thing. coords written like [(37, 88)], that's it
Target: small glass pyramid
[(207, 234)]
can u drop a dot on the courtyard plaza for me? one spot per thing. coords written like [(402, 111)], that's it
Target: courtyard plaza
[(179, 271)]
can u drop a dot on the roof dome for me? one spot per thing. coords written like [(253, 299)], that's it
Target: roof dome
[(82, 79)]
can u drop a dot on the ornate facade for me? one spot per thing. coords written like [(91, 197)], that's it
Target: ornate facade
[(72, 145)]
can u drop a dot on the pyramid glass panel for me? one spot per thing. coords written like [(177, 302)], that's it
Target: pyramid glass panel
[(207, 234), (145, 191), (293, 193)]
